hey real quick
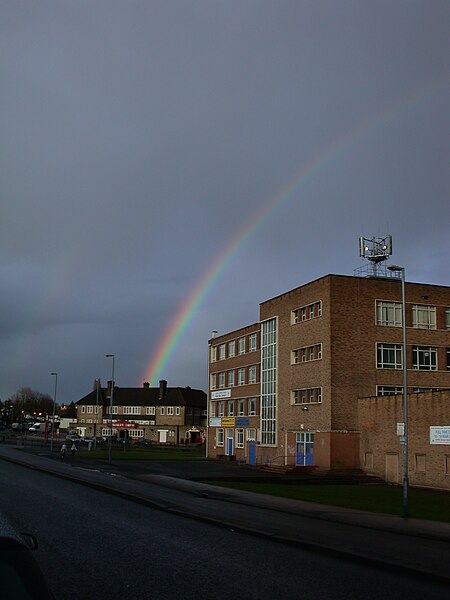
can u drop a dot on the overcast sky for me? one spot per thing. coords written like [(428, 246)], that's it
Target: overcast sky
[(140, 138)]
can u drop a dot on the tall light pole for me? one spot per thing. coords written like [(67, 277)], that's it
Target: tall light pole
[(111, 398), (54, 411), (396, 268), (97, 384)]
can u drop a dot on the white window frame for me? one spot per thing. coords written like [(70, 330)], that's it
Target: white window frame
[(170, 411), (220, 436), (162, 410), (230, 408), (177, 411), (252, 342), (251, 404), (222, 351), (213, 353), (151, 410), (384, 357), (213, 381), (231, 378), (241, 345), (423, 316), (232, 349), (388, 314), (241, 376), (221, 408), (302, 396), (212, 409), (389, 390), (221, 380), (425, 358), (241, 407), (252, 374), (239, 438)]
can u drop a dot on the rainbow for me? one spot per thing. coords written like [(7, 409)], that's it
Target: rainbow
[(186, 313)]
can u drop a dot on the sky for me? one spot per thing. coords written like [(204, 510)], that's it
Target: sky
[(166, 166)]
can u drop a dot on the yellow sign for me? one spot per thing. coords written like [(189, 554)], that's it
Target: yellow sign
[(228, 421)]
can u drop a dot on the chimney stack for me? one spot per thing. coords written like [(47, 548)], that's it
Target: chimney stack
[(162, 388), (146, 384)]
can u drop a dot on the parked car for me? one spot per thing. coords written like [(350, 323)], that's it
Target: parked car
[(73, 437)]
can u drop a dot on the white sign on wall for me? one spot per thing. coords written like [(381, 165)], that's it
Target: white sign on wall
[(220, 394), (440, 435)]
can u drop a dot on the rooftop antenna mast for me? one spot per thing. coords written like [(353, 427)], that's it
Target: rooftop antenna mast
[(376, 250)]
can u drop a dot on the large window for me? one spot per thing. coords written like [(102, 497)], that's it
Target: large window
[(213, 353), (241, 376), (389, 356), (219, 437), (231, 378), (213, 381), (222, 380), (389, 313), (424, 316), (239, 438), (241, 407), (305, 313), (212, 409), (252, 374), (131, 410), (424, 358), (389, 390), (306, 354), (268, 382), (150, 410), (222, 351), (241, 346), (252, 407), (252, 342), (447, 318), (221, 408), (307, 396), (231, 349), (231, 408)]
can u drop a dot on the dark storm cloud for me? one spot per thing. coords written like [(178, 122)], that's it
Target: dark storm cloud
[(138, 138)]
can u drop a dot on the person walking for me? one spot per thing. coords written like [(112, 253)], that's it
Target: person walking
[(63, 451), (73, 449)]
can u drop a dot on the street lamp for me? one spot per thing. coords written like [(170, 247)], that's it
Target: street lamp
[(396, 268), (111, 398), (54, 411)]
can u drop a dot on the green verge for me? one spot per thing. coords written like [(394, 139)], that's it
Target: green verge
[(433, 505), (144, 454)]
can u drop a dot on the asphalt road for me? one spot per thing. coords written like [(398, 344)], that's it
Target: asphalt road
[(96, 545)]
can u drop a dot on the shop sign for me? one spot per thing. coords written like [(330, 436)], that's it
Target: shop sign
[(125, 424), (440, 435), (228, 421), (242, 422), (215, 421)]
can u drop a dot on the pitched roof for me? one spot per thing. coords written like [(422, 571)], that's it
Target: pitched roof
[(147, 396)]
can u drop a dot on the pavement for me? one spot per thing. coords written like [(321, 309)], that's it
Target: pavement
[(419, 547)]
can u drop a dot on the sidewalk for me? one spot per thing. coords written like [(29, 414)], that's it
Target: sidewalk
[(418, 546)]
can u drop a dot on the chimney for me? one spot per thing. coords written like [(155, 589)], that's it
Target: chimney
[(214, 333), (146, 384), (162, 388)]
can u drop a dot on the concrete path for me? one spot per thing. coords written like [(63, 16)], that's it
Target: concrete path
[(417, 546)]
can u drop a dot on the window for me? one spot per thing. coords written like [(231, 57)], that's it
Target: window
[(307, 396), (268, 382), (162, 410), (231, 408), (252, 342), (423, 316), (239, 438), (131, 410), (389, 356), (177, 410), (96, 410), (213, 353), (251, 435), (305, 313), (222, 351), (221, 408), (213, 381), (231, 378), (241, 346), (241, 376), (448, 359), (231, 349), (212, 409), (222, 380), (241, 407), (136, 433), (115, 410), (89, 409), (150, 410), (219, 437), (252, 374), (424, 358), (447, 318), (83, 409), (252, 407), (204, 412), (389, 313), (170, 410), (389, 390), (189, 411), (306, 354)]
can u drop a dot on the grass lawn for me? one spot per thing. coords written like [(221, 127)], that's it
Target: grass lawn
[(128, 453), (423, 504)]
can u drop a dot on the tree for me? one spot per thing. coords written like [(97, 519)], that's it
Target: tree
[(28, 401)]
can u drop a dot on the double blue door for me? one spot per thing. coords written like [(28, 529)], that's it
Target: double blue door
[(304, 449)]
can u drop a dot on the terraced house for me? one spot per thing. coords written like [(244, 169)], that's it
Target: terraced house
[(162, 415), (285, 390)]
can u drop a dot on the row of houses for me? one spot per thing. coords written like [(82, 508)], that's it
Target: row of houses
[(309, 383)]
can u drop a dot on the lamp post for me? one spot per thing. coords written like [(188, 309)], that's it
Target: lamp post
[(54, 411), (111, 399), (396, 268), (97, 384)]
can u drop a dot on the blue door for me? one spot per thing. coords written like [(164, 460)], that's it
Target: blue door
[(251, 453), (230, 446), (304, 449)]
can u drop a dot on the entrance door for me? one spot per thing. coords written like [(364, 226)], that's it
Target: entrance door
[(304, 449), (251, 453), (162, 436), (229, 449)]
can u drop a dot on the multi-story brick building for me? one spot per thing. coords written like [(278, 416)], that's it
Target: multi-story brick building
[(161, 415), (319, 348)]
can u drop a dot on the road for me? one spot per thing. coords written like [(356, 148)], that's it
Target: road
[(96, 545)]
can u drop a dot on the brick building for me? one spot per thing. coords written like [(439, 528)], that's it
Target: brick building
[(428, 438), (319, 348), (161, 415)]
